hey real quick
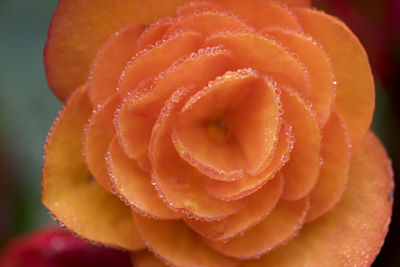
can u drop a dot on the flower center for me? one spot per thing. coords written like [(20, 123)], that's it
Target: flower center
[(218, 130)]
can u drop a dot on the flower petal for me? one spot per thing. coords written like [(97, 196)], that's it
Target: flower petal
[(261, 14), (302, 171), (150, 62), (281, 225), (318, 64), (249, 184), (179, 183), (80, 28), (70, 193), (247, 105), (353, 232), (139, 111), (145, 258), (255, 50), (260, 205), (334, 172), (177, 245), (355, 94), (207, 22), (77, 30), (110, 62), (134, 185), (305, 3), (192, 7), (98, 135), (153, 33)]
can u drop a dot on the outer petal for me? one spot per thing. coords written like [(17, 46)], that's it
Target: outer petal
[(98, 135), (153, 33), (70, 192), (208, 22), (260, 205), (302, 171), (176, 244), (355, 94), (281, 225), (255, 50), (145, 258), (78, 29), (134, 185), (110, 62), (334, 172), (261, 14), (353, 232), (304, 3), (318, 64)]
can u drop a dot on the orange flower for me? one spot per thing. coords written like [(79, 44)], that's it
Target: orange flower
[(236, 132)]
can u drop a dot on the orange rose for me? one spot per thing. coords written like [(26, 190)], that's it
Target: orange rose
[(236, 132)]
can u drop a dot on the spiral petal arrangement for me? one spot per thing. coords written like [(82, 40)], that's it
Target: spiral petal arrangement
[(233, 132)]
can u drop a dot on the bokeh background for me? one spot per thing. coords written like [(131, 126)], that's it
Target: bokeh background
[(27, 107)]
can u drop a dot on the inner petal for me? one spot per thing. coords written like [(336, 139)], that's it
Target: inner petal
[(230, 126), (249, 184), (179, 184), (266, 56), (138, 112), (152, 61)]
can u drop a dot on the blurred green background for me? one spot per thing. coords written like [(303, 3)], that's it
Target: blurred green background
[(27, 106), (27, 109)]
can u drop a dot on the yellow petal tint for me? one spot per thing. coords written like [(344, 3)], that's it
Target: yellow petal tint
[(318, 64), (280, 226), (145, 258), (138, 112), (69, 191), (178, 183), (353, 232), (260, 205), (302, 171), (134, 185), (230, 126), (249, 184), (177, 245), (99, 133), (355, 94), (255, 50), (110, 62), (334, 172)]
